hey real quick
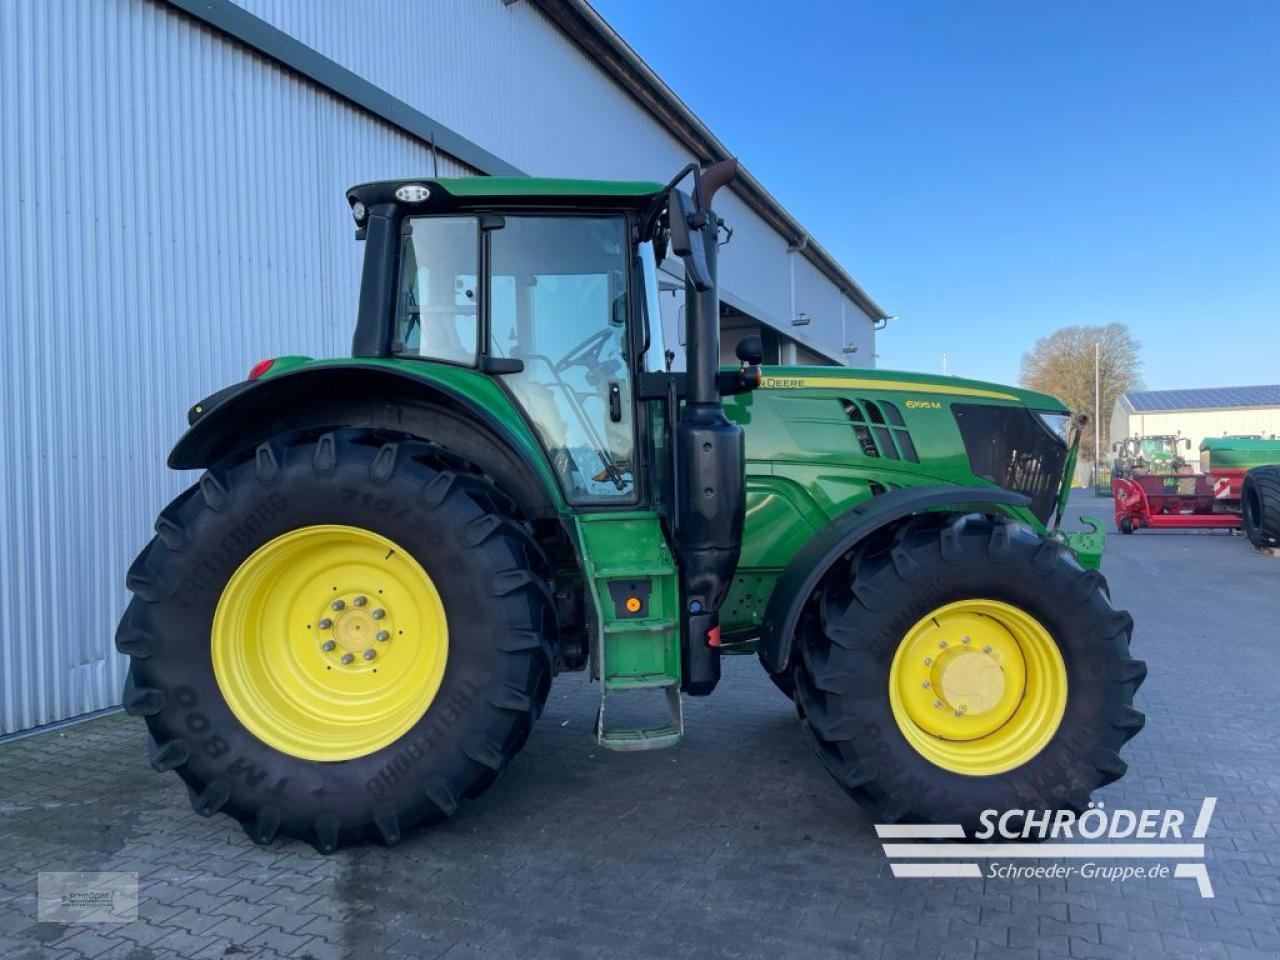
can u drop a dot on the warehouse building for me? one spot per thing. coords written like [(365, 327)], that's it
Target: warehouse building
[(174, 178), (1197, 414)]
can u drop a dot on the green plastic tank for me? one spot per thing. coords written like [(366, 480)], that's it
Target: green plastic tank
[(1237, 453)]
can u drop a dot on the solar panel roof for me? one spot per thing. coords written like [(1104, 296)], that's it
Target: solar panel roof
[(1144, 401)]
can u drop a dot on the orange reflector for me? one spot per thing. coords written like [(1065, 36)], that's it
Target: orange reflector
[(713, 636), (633, 604)]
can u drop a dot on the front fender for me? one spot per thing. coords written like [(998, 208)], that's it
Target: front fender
[(808, 567)]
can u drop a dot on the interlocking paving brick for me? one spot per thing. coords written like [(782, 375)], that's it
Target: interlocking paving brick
[(733, 845)]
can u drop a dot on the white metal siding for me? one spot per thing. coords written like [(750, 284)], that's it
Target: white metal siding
[(1196, 425), (509, 80), (173, 211)]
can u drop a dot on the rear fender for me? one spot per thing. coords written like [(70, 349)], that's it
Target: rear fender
[(811, 564), (368, 395)]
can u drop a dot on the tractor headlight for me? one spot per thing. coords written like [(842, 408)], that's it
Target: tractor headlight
[(358, 211), (1056, 423)]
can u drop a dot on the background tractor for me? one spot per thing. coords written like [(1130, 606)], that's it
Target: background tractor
[(349, 624), (1153, 485), (1161, 455)]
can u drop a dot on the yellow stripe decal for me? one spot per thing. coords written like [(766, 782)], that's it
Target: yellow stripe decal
[(860, 383)]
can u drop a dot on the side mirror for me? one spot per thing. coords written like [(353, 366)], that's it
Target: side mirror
[(750, 350), (687, 244)]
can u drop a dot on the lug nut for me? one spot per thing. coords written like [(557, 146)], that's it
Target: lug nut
[(325, 624), (938, 704), (942, 644), (928, 661), (337, 604), (987, 648), (329, 645), (925, 684), (382, 635), (379, 614), (360, 601), (347, 658), (964, 639), (370, 653)]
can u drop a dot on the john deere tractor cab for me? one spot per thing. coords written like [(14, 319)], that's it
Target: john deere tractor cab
[(1156, 454), (349, 624)]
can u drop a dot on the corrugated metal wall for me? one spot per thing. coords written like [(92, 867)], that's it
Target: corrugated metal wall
[(509, 80), (173, 211)]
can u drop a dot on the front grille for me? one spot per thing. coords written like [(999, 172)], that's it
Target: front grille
[(1010, 447)]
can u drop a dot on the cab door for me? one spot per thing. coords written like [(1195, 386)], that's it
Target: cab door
[(558, 302)]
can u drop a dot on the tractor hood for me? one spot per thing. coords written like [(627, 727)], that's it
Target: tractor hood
[(849, 432), (910, 385)]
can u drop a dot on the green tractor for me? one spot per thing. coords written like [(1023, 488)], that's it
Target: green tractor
[(349, 624), (1159, 454)]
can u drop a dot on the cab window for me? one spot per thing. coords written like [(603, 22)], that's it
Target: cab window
[(437, 315), (558, 302)]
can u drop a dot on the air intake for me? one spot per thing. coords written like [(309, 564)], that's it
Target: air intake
[(880, 429)]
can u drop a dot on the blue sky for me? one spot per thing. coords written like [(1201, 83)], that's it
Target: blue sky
[(992, 171)]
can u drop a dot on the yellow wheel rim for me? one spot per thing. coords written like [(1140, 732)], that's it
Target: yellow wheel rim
[(329, 642), (978, 687)]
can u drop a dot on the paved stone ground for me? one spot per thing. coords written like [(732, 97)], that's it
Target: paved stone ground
[(732, 845)]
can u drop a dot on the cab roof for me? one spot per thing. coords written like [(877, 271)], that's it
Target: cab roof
[(446, 193)]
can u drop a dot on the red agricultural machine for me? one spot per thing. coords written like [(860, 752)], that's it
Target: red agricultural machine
[(1169, 500), (1231, 470)]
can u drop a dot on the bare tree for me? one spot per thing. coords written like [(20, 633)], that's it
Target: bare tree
[(1062, 364)]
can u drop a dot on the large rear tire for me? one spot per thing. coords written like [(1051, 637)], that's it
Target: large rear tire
[(1260, 506), (283, 684), (783, 681), (965, 664)]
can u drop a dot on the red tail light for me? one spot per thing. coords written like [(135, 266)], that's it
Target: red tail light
[(259, 368)]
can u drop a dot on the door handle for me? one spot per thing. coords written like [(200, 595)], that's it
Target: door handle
[(615, 402)]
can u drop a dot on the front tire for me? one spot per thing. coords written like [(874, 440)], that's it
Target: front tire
[(975, 606), (270, 705)]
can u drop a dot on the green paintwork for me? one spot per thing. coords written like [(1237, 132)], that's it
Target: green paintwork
[(1087, 545), (919, 386), (629, 548), (550, 187), (1068, 472), (803, 467), (636, 654), (1228, 453), (481, 389)]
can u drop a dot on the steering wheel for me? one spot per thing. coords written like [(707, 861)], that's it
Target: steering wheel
[(586, 353)]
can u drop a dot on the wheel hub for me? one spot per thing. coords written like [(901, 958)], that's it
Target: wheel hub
[(329, 642), (978, 686), (356, 627)]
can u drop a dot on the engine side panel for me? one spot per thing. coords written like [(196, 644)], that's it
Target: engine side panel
[(819, 441)]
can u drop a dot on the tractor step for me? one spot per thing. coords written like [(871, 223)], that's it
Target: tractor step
[(635, 648), (626, 737)]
